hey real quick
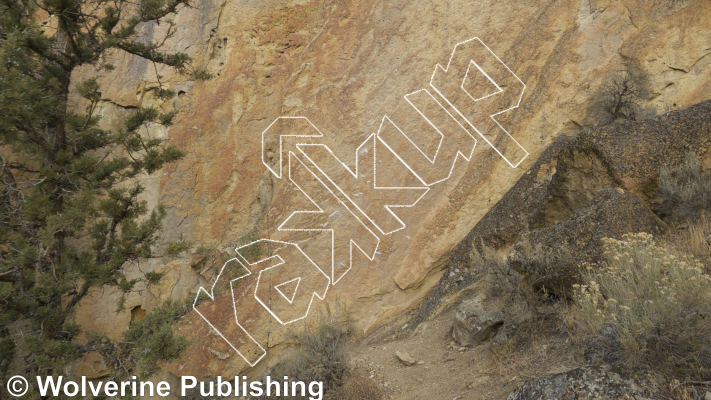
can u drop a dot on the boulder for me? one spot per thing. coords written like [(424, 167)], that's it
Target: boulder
[(405, 358), (506, 333), (553, 256), (586, 383), (474, 325)]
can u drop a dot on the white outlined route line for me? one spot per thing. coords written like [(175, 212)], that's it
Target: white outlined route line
[(261, 290), (211, 295), (498, 88), (281, 139), (253, 356), (442, 136), (298, 220), (293, 294), (280, 131), (458, 107), (300, 135), (385, 118), (367, 172), (451, 146)]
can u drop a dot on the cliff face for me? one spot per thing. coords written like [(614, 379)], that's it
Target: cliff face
[(344, 65)]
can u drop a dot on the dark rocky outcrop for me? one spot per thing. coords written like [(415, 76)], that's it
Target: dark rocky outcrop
[(611, 214), (574, 168), (587, 383), (569, 173)]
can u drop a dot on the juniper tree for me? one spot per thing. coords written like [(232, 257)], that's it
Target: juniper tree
[(70, 214)]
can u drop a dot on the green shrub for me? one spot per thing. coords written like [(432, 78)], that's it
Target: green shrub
[(649, 305), (147, 344), (7, 353)]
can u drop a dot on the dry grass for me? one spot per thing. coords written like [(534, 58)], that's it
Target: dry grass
[(649, 308), (532, 353), (322, 353), (677, 390), (694, 240)]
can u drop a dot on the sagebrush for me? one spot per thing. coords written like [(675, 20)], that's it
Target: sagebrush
[(650, 307), (684, 190)]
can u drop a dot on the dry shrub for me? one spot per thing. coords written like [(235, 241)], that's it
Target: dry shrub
[(530, 275), (357, 386), (530, 299), (619, 97), (684, 191), (649, 308), (503, 281), (533, 315), (322, 353), (549, 271)]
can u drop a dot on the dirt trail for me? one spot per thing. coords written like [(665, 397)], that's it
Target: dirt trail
[(442, 371)]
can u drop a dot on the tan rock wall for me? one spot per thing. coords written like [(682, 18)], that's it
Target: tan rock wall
[(344, 65)]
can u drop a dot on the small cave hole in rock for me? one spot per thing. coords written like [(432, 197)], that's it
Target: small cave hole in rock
[(137, 313), (181, 94)]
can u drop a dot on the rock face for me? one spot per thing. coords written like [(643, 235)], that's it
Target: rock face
[(611, 214), (92, 366), (586, 383), (473, 325), (345, 64)]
